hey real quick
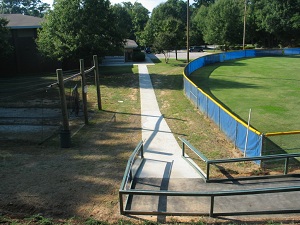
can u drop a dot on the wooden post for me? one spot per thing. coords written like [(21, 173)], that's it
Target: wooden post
[(84, 91), (97, 82), (65, 138)]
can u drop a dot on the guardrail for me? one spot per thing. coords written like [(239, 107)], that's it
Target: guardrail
[(206, 175), (129, 173), (132, 169), (212, 196)]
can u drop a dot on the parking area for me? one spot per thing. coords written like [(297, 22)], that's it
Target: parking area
[(181, 54)]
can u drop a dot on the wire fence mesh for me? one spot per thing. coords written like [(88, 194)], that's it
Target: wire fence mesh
[(30, 107)]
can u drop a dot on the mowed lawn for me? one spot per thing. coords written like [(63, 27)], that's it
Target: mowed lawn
[(270, 86)]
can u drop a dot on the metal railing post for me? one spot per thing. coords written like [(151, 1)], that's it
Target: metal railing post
[(183, 152), (286, 165), (142, 150), (121, 203), (207, 170), (212, 202)]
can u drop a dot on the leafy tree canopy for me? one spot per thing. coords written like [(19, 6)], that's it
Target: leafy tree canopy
[(78, 29), (123, 21), (139, 18), (166, 28), (26, 7), (280, 18), (5, 47)]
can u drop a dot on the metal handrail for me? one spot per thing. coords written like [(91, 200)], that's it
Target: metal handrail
[(212, 196), (128, 171), (130, 162), (188, 144), (216, 161)]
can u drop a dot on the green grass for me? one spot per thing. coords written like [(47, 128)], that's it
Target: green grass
[(267, 85)]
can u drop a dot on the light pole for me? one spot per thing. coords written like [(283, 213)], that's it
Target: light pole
[(244, 34), (188, 31)]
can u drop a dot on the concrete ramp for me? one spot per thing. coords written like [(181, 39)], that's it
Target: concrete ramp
[(162, 152)]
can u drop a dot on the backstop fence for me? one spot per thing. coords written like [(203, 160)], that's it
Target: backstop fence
[(249, 140)]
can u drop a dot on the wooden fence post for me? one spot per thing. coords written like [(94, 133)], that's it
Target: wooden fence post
[(97, 82), (84, 91), (65, 137)]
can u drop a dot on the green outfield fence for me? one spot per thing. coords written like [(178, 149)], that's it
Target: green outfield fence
[(236, 130)]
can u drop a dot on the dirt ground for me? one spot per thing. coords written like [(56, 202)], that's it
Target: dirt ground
[(76, 182)]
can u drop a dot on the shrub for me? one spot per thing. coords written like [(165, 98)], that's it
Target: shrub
[(138, 56)]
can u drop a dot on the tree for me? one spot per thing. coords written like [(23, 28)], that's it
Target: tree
[(78, 29), (167, 39), (139, 18), (166, 27), (26, 7), (198, 25), (123, 21), (280, 19), (5, 47), (224, 24), (199, 3)]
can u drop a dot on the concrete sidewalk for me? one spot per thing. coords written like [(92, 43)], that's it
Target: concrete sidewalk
[(162, 152)]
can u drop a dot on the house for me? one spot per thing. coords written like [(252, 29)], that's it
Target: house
[(129, 47), (26, 58)]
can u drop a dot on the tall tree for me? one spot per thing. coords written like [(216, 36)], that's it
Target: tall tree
[(26, 7), (78, 29), (166, 26), (5, 47), (280, 19), (123, 21), (198, 25), (223, 24), (199, 3), (139, 18)]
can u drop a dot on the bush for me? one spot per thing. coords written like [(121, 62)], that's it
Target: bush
[(138, 56)]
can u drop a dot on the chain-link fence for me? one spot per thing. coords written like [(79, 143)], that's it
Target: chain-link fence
[(31, 106)]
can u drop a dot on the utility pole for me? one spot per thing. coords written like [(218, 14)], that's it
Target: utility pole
[(188, 31), (244, 34)]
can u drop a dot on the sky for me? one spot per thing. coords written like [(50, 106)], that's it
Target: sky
[(148, 4)]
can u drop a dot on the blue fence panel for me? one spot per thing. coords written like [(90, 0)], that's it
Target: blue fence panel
[(235, 130), (269, 52), (187, 86), (292, 51), (213, 111), (250, 53), (228, 125), (202, 102), (234, 55), (210, 59), (194, 95)]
